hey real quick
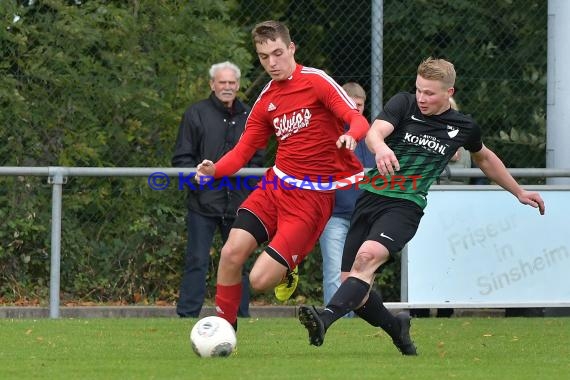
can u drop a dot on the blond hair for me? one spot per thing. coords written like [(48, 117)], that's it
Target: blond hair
[(453, 104), (354, 90), (437, 69)]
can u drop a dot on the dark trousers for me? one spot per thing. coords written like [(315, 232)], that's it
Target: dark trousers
[(201, 230)]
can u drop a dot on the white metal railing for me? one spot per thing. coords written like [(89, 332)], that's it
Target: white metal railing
[(57, 177)]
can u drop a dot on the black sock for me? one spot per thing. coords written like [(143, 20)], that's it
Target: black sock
[(350, 294), (375, 313)]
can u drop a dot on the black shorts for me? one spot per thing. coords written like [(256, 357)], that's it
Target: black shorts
[(392, 222)]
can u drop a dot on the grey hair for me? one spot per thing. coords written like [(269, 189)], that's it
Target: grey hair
[(224, 65)]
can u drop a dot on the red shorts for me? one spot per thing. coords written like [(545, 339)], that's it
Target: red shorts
[(293, 218)]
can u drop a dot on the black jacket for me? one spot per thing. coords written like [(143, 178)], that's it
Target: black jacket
[(208, 130)]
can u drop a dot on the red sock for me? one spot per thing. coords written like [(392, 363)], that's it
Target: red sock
[(227, 301)]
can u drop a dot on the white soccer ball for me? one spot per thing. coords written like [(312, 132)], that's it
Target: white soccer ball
[(213, 337)]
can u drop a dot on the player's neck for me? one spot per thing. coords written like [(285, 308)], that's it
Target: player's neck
[(443, 109), (292, 69)]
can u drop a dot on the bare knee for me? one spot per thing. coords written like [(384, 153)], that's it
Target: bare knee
[(261, 282), (370, 256), (237, 249), (231, 257), (257, 283), (364, 260), (266, 273)]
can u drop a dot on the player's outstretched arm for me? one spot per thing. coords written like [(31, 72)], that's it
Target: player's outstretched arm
[(495, 170), (229, 164), (386, 160), (533, 199), (358, 129)]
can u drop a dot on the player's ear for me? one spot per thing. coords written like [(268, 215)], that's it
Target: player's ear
[(292, 47)]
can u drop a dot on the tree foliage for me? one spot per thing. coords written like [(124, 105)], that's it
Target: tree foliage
[(499, 51), (101, 83)]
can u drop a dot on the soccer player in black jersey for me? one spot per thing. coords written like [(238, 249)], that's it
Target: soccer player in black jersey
[(413, 139)]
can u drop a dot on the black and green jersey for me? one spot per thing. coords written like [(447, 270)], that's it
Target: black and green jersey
[(423, 146)]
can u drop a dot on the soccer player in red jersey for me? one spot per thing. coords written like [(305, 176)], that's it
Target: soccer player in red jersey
[(306, 110)]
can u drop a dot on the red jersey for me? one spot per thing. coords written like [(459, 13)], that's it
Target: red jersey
[(306, 112)]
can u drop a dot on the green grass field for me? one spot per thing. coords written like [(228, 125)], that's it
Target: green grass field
[(456, 348)]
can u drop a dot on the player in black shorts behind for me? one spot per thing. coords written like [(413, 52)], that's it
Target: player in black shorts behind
[(413, 139)]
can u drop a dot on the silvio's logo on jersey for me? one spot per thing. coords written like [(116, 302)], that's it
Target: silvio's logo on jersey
[(292, 123)]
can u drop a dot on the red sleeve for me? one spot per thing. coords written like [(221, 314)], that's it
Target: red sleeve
[(255, 136), (340, 104), (234, 160), (358, 125)]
